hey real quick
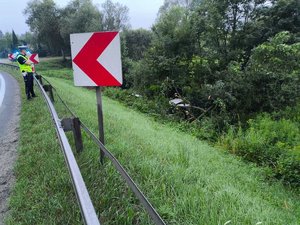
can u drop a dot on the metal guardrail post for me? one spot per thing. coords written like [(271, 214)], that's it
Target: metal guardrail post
[(48, 88), (77, 135), (39, 77), (73, 124)]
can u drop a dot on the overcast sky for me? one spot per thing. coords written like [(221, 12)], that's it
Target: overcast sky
[(142, 13)]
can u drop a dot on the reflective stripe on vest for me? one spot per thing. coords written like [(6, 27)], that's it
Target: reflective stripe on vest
[(24, 67)]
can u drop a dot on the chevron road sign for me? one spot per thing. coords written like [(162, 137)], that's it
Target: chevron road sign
[(11, 56), (34, 58), (96, 59)]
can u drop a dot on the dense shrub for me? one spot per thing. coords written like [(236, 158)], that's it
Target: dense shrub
[(271, 143), (288, 166)]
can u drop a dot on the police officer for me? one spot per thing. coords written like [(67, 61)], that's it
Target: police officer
[(26, 70)]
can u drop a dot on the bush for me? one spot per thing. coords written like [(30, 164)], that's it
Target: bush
[(268, 142), (288, 167)]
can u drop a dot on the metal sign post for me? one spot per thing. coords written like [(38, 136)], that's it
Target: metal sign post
[(100, 121)]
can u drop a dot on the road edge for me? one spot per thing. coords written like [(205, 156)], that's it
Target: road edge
[(8, 148)]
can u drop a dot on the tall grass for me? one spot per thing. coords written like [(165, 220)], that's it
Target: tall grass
[(269, 142)]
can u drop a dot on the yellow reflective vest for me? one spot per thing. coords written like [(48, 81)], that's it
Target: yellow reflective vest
[(24, 67)]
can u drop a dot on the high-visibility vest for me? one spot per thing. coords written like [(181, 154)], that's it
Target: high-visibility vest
[(24, 67)]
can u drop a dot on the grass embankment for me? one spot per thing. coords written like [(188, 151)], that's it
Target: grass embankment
[(187, 181)]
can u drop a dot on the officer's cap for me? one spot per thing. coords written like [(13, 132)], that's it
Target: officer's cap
[(22, 47)]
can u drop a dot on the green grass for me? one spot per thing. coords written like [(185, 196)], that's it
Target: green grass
[(43, 193), (57, 66), (188, 181)]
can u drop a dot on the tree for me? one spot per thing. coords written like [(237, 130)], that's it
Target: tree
[(225, 29), (5, 44), (169, 4), (137, 42), (43, 18), (114, 16), (284, 15), (15, 40), (173, 45), (273, 74), (79, 16), (29, 39)]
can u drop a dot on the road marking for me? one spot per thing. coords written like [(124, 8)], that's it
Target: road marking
[(2, 89)]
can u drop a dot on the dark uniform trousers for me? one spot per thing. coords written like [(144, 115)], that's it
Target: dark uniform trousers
[(28, 79)]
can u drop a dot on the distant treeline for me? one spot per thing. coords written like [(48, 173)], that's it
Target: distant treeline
[(51, 25)]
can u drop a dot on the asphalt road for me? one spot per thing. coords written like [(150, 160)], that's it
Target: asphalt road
[(10, 104)]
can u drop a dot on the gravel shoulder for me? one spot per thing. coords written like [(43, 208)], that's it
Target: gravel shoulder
[(9, 136)]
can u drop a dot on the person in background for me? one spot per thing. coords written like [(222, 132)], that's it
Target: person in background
[(26, 70)]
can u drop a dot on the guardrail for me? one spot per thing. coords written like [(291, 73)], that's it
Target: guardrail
[(10, 65), (84, 201)]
